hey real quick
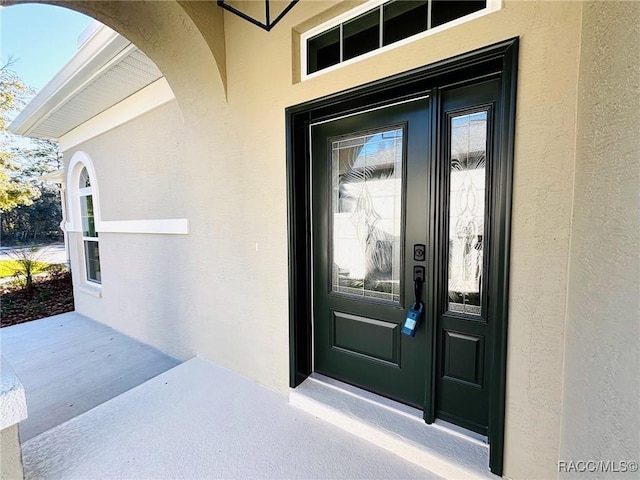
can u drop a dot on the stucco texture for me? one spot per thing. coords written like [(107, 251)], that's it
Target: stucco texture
[(544, 153), (218, 159), (601, 409), (10, 454)]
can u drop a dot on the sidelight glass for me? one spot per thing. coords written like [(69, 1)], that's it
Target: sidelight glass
[(467, 183), (366, 173)]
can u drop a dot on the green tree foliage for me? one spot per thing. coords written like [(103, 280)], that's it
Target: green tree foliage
[(35, 223), (40, 220), (13, 192), (38, 158), (31, 211)]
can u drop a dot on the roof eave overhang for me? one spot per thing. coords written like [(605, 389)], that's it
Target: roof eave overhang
[(98, 53), (57, 176)]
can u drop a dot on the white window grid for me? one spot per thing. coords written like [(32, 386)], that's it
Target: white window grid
[(492, 6)]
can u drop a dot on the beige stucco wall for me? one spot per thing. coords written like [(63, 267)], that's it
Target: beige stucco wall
[(10, 454), (221, 164), (601, 409), (145, 278)]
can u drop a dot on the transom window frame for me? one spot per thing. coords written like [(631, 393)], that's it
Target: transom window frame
[(371, 5)]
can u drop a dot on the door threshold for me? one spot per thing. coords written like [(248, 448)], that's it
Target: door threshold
[(442, 448)]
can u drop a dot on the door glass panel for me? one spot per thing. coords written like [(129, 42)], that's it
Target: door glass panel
[(366, 175), (468, 151)]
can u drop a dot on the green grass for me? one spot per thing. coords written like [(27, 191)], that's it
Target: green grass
[(9, 267)]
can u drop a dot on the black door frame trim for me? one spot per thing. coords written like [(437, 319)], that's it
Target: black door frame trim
[(500, 59)]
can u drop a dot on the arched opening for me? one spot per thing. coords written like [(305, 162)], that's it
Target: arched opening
[(137, 212), (164, 31)]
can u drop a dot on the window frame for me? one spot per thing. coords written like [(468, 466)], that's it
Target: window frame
[(371, 5), (83, 194), (76, 195)]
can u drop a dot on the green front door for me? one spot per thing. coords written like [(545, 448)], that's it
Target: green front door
[(369, 209), (400, 193)]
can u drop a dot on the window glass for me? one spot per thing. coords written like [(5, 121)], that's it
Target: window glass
[(366, 222), (443, 11), (92, 258), (400, 19), (90, 243), (467, 181), (85, 181), (88, 218), (361, 35), (403, 19), (323, 50)]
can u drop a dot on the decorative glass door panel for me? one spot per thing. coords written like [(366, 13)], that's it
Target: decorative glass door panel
[(369, 173), (383, 193), (366, 177), (468, 151), (463, 325)]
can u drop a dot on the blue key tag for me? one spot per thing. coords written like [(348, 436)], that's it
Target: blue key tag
[(413, 319)]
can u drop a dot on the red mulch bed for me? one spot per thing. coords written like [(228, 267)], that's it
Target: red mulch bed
[(50, 297)]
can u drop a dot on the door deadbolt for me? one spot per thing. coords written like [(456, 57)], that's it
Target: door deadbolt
[(419, 251)]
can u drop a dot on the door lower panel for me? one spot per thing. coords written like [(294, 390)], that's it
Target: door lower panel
[(376, 339)]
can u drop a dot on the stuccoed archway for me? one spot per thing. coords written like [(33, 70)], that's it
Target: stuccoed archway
[(184, 39)]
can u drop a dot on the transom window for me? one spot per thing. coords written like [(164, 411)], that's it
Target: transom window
[(90, 239), (379, 25)]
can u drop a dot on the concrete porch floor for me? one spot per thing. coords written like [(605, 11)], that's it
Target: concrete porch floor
[(193, 421), (69, 364)]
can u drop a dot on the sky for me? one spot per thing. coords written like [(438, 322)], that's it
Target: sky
[(40, 38)]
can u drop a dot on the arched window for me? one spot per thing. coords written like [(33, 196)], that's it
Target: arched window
[(83, 202), (90, 239)]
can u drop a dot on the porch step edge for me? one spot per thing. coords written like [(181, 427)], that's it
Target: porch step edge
[(434, 448)]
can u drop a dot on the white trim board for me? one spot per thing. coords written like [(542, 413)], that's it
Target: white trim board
[(152, 96), (173, 226), (177, 226), (91, 288)]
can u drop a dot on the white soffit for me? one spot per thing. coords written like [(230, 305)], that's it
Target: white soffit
[(152, 96), (106, 70)]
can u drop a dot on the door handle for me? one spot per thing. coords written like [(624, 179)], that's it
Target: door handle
[(418, 281), (417, 287), (418, 273), (416, 310)]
